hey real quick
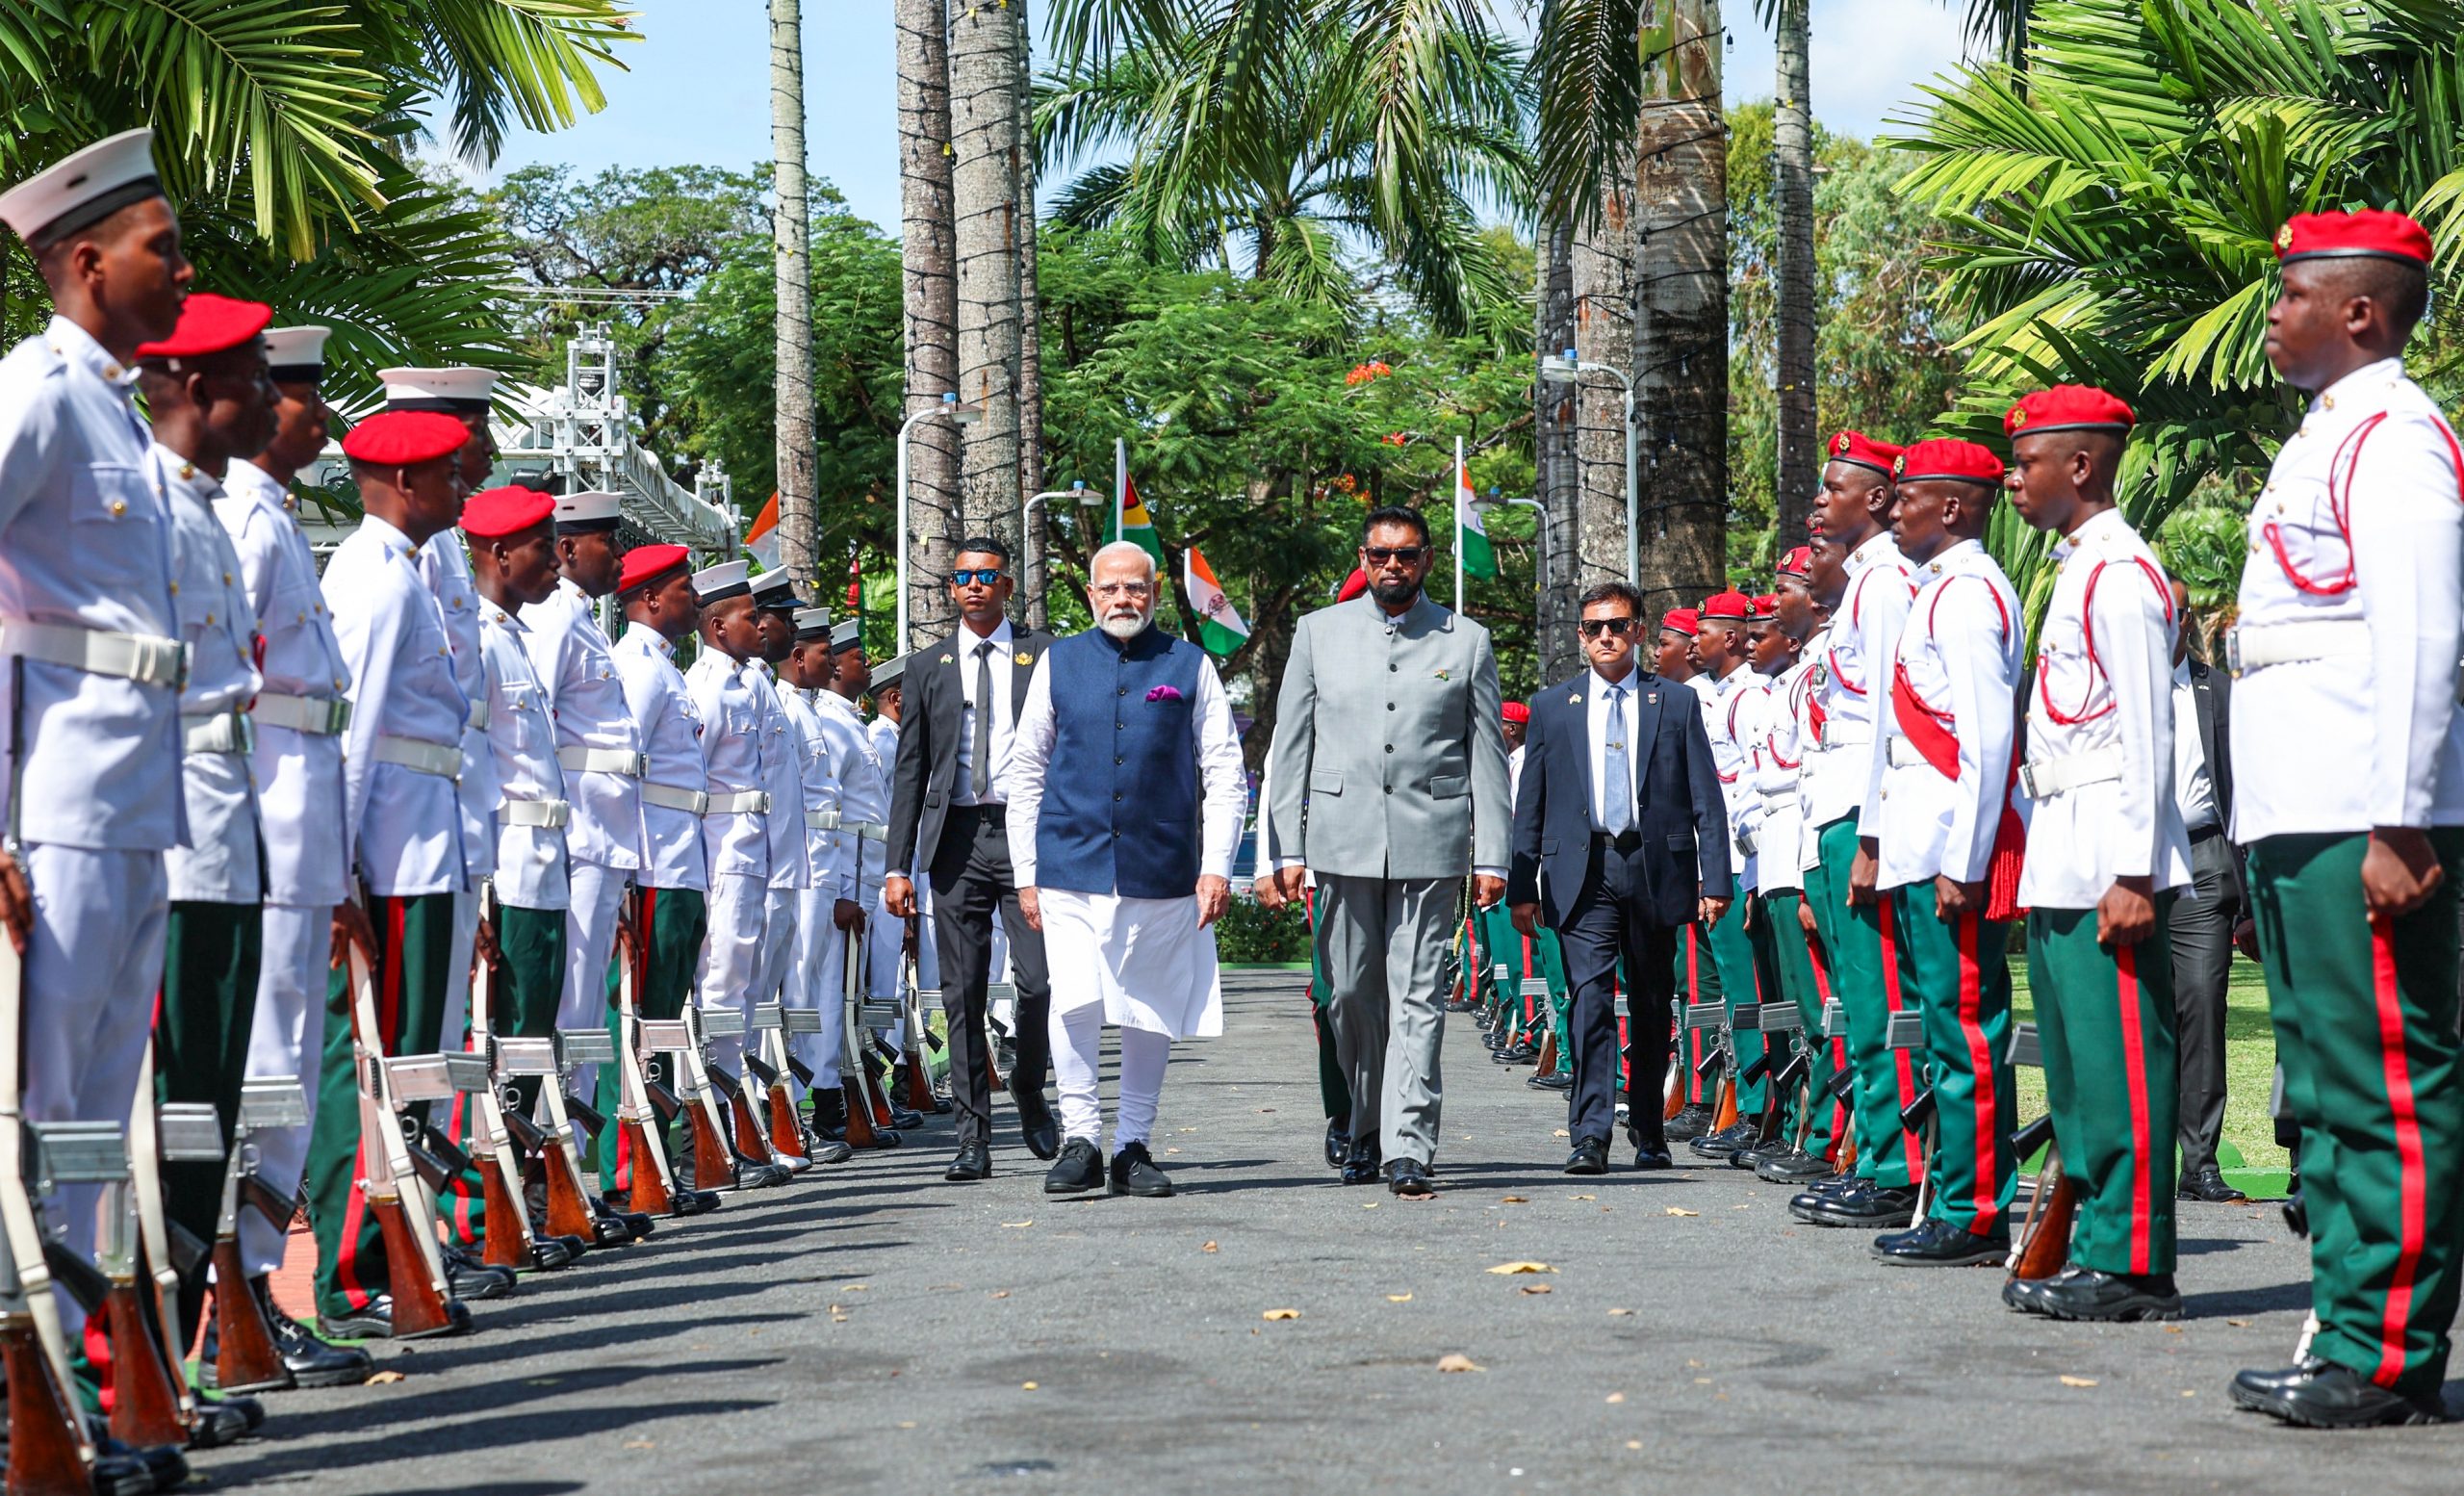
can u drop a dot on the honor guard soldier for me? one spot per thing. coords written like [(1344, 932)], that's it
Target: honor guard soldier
[(775, 605), (2106, 852), (94, 666), (401, 757), (511, 532), (863, 807), (599, 745), (1946, 854), (1852, 681), (735, 828), (889, 695), (656, 590), (1720, 645), (829, 907), (2349, 795), (208, 396), (1698, 975), (298, 719)]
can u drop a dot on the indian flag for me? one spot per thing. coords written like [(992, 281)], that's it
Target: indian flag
[(762, 541), (1137, 526), (1220, 624), (1479, 560)]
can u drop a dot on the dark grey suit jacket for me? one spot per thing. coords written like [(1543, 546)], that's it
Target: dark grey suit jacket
[(922, 788)]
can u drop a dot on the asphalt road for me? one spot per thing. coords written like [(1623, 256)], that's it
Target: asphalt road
[(876, 1329)]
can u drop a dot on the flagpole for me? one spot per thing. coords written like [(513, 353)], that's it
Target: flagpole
[(1120, 488), (1458, 524)]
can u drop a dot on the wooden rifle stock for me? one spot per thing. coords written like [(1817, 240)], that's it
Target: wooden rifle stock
[(2044, 1246), (415, 1267), (48, 1454), (785, 1128), (245, 1359), (920, 1070), (145, 1405), (507, 1241), (750, 1140), (153, 1266), (640, 1126)]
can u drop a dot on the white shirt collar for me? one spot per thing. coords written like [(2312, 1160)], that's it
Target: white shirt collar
[(78, 345), (2102, 524), (1604, 683), (1000, 638), (2386, 368)]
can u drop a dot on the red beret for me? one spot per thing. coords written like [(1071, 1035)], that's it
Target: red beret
[(1516, 712), (493, 513), (1681, 620), (1766, 605), (1728, 604), (1946, 457), (210, 325), (1353, 585), (2371, 233), (1862, 450), (1797, 562), (649, 563), (2069, 407), (401, 438)]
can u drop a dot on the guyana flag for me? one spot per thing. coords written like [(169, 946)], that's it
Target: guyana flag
[(1220, 624), (1479, 559), (1136, 527)]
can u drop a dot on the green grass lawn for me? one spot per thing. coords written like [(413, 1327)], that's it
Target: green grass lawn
[(2248, 1152)]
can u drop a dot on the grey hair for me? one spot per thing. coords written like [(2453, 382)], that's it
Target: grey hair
[(1129, 547)]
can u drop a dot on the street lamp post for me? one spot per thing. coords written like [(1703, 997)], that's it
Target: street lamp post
[(962, 415), (1086, 499), (1568, 369)]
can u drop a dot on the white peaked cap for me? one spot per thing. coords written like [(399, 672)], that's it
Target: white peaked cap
[(595, 506), (717, 584), (82, 187), (295, 347), (432, 389)]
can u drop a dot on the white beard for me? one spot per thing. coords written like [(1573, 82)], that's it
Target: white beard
[(1125, 628)]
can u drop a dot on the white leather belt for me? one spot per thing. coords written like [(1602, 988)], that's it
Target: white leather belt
[(319, 716), (602, 760), (669, 797), (420, 756), (1835, 736), (128, 657), (225, 731), (1904, 755), (2250, 647), (477, 720), (743, 802), (547, 814), (821, 820), (869, 831), (2056, 776)]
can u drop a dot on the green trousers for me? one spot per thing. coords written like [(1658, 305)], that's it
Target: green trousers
[(414, 947), (1867, 987), (210, 958), (1792, 959), (1524, 958), (2105, 1019), (1959, 978), (676, 921), (521, 1004), (1334, 1091), (1698, 981), (1733, 952), (2366, 1028)]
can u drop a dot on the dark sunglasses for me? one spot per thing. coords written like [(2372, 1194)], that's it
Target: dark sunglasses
[(987, 576), (1594, 628), (1379, 556)]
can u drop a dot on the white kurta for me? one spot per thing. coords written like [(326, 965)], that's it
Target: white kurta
[(1145, 959)]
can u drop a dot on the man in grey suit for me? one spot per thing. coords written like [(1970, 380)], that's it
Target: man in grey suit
[(1387, 728)]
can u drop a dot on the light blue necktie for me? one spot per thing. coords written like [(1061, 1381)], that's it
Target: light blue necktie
[(1617, 793)]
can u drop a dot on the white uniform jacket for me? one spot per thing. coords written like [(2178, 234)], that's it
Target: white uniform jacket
[(669, 725), (1959, 659), (217, 863), (405, 823), (531, 870), (578, 666)]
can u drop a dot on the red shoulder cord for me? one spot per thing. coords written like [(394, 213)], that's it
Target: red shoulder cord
[(2087, 627), (2340, 471), (1798, 690)]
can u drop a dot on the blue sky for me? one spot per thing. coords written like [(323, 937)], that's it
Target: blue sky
[(698, 86)]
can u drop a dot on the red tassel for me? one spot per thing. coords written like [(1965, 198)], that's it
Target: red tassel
[(2010, 851)]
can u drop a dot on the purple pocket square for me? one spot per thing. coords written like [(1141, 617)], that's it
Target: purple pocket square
[(1164, 693)]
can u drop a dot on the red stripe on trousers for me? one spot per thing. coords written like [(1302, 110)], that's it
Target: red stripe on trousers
[(2142, 1146), (1838, 1042), (2413, 1211), (1979, 1059), (1898, 1057)]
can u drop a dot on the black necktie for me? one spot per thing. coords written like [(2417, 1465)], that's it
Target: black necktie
[(980, 775)]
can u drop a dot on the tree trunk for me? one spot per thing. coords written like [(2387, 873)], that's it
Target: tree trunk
[(926, 258), (1680, 349), (1792, 200), (1031, 477), (1601, 266), (1556, 471), (793, 225), (984, 184)]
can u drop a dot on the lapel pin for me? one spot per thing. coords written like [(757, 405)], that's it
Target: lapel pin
[(1650, 698), (1575, 700), (946, 659), (1025, 658)]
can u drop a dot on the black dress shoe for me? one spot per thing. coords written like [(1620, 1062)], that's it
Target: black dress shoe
[(905, 1117), (376, 1320), (973, 1163), (1590, 1156), (1793, 1166), (822, 1150), (1752, 1155), (1080, 1168), (2208, 1184), (2296, 1214), (155, 1467), (310, 1361), (2325, 1395), (1363, 1165), (2078, 1293), (1134, 1173), (1035, 1124), (1647, 1156), (1338, 1141), (1938, 1244), (695, 1202), (548, 1254), (1409, 1178), (1555, 1080), (1690, 1122), (219, 1424), (471, 1278), (1870, 1208), (2024, 1292), (1515, 1054), (1727, 1141)]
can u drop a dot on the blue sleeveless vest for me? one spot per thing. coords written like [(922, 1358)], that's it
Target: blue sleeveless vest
[(1120, 797)]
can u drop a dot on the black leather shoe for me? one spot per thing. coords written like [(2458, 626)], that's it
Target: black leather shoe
[(1515, 1054), (1752, 1155), (905, 1117), (1590, 1156), (1035, 1124), (1868, 1209), (823, 1151), (2208, 1184), (1134, 1173), (1690, 1122), (310, 1361), (156, 1467), (1338, 1141), (376, 1320), (1794, 1166), (471, 1278), (2024, 1292), (1409, 1178), (2296, 1214), (2078, 1293), (2325, 1395), (1362, 1164), (1555, 1080), (548, 1254), (973, 1163), (1647, 1156), (1080, 1168), (1727, 1141), (696, 1203), (219, 1424), (1938, 1244)]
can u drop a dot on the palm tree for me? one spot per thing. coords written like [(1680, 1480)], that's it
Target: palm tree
[(984, 188), (929, 268), (792, 395), (1792, 202)]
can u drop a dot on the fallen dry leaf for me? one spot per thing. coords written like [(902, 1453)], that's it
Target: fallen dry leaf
[(908, 1424), (855, 1289), (999, 1293), (641, 1443), (1372, 1205), (384, 1377), (1633, 1444), (1516, 1200), (2239, 1324), (1015, 1225), (2078, 1382), (1586, 1196), (1026, 1387), (1282, 1314), (1616, 1397), (1615, 1312), (1457, 1361), (2187, 1392), (1172, 1151), (1209, 1247), (2172, 1330), (1523, 1267), (1702, 1382), (1562, 1133), (1679, 1210), (1536, 1288), (1398, 1298)]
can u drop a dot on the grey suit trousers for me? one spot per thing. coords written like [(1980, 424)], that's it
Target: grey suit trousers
[(2202, 936), (1382, 942)]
